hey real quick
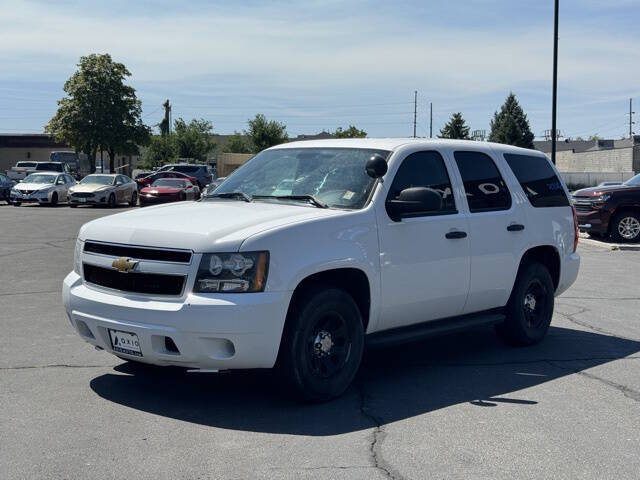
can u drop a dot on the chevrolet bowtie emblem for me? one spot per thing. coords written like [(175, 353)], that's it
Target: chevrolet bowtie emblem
[(124, 264)]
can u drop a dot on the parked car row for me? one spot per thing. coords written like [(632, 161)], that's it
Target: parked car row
[(109, 190)]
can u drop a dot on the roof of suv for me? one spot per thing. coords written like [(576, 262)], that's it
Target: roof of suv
[(394, 143)]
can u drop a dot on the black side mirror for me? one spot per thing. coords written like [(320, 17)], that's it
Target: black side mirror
[(414, 200), (376, 166)]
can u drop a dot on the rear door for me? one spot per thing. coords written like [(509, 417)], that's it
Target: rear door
[(496, 229), (424, 268)]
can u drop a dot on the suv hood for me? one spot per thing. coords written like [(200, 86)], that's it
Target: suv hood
[(212, 225), (597, 191)]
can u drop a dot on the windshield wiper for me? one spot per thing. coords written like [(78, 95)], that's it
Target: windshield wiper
[(309, 198), (242, 195)]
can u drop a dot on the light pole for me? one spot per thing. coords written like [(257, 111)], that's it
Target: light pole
[(554, 134)]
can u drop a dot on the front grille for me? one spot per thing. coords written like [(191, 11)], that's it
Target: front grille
[(583, 207), (27, 192), (82, 195), (140, 253), (149, 283)]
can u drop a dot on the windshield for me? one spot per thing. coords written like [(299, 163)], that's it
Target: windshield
[(334, 176), (49, 166), (633, 180), (40, 178), (169, 182), (98, 180)]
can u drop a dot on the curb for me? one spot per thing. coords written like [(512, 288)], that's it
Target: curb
[(586, 240)]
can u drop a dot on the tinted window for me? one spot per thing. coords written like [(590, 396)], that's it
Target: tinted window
[(538, 180), (485, 188), (54, 167), (187, 168), (425, 169)]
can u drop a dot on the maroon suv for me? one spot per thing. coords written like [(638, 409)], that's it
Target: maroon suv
[(613, 210)]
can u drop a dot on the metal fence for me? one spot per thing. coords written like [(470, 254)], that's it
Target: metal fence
[(591, 179)]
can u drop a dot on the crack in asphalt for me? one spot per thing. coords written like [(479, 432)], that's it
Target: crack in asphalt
[(572, 319), (28, 293), (54, 365), (378, 436), (626, 391)]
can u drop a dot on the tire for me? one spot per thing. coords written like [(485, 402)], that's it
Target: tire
[(54, 200), (134, 199), (183, 196), (322, 344), (72, 205), (626, 226), (112, 201), (17, 204), (530, 307)]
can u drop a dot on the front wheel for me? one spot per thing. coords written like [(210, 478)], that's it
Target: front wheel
[(17, 204), (54, 199), (112, 201), (322, 344), (134, 199), (626, 227), (530, 307)]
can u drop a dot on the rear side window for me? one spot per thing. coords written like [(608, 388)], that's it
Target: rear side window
[(483, 184), (538, 180), (425, 169)]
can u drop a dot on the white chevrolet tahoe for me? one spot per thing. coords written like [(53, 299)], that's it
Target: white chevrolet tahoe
[(373, 241)]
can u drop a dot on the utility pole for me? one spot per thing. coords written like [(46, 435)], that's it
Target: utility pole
[(631, 122), (555, 81), (415, 111), (165, 126), (430, 119)]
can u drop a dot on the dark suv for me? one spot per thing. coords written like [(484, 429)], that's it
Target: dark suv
[(201, 172), (612, 210)]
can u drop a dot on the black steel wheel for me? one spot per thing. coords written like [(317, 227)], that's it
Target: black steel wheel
[(530, 306), (322, 344)]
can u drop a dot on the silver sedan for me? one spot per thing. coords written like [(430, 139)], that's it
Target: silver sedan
[(44, 188), (104, 189)]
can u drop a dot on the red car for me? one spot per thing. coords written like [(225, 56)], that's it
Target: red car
[(168, 190), (149, 179)]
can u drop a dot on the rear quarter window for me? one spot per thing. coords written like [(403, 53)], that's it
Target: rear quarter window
[(540, 183)]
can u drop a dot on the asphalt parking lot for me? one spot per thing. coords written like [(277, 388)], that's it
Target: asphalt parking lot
[(459, 407)]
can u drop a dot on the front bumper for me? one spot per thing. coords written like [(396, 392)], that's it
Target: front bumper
[(31, 198), (223, 331), (153, 199), (596, 221), (88, 201)]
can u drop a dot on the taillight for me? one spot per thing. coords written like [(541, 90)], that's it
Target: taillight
[(575, 228)]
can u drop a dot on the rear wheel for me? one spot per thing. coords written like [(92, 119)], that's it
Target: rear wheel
[(530, 307), (626, 227), (322, 344)]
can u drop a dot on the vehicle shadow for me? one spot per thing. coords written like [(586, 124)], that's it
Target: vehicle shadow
[(393, 384)]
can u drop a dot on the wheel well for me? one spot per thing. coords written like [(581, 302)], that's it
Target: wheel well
[(546, 255), (352, 280)]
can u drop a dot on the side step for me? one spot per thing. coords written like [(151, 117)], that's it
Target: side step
[(421, 331)]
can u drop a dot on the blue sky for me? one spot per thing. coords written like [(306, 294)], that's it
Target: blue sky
[(318, 65)]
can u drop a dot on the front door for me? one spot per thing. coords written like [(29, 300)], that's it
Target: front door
[(424, 257)]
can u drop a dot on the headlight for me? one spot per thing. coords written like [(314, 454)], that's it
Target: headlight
[(77, 257), (232, 272), (602, 198)]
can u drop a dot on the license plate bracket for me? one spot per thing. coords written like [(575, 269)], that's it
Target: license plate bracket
[(125, 342)]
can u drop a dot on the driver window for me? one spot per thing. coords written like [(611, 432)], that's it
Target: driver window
[(425, 169)]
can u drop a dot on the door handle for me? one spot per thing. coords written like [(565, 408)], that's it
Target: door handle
[(515, 227), (456, 234)]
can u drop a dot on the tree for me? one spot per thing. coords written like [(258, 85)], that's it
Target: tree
[(193, 139), (455, 128), (264, 134), (351, 132), (594, 137), (99, 111), (510, 125), (237, 143), (161, 150)]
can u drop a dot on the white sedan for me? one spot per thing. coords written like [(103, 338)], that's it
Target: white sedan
[(46, 188)]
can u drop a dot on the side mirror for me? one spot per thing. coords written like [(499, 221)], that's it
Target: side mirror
[(376, 166), (414, 200)]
